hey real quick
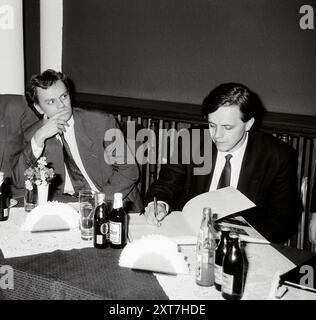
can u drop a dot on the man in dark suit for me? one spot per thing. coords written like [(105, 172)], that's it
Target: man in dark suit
[(257, 164), (77, 134), (15, 118)]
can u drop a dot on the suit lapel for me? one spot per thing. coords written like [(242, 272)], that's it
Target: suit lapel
[(87, 149), (250, 175)]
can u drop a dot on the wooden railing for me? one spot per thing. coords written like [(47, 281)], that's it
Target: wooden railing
[(297, 130)]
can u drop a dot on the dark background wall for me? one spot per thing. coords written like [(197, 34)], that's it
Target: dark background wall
[(177, 50), (31, 29)]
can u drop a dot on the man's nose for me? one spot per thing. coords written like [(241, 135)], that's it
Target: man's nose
[(218, 132), (61, 103)]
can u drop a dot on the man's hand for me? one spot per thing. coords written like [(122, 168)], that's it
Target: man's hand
[(52, 126), (155, 219)]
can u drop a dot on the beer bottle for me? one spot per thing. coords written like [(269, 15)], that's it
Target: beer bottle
[(205, 250), (233, 270), (101, 230), (118, 223), (4, 213), (219, 256)]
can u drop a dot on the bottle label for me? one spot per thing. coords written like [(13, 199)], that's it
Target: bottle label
[(4, 214), (228, 282), (99, 239), (204, 268), (116, 232), (199, 267), (104, 233), (104, 228), (218, 274)]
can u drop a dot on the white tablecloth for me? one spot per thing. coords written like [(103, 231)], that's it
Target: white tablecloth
[(263, 261)]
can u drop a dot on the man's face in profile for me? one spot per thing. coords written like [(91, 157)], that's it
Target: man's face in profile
[(227, 130), (55, 99)]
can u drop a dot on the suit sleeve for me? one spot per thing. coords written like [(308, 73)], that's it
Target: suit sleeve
[(24, 158), (18, 148), (171, 181), (120, 161), (21, 161), (277, 217)]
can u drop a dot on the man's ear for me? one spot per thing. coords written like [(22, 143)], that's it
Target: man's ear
[(38, 108), (250, 123)]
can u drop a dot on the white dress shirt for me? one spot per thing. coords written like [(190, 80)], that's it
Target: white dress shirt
[(71, 140), (235, 161)]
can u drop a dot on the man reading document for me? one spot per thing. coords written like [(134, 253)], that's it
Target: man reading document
[(259, 165)]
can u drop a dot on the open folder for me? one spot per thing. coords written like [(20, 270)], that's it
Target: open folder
[(183, 227)]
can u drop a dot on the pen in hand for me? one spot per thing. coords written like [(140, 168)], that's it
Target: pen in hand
[(156, 211)]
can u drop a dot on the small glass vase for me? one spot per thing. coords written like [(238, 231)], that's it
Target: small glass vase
[(42, 194), (30, 198)]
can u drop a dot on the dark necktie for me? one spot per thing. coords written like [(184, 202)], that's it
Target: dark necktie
[(224, 180), (78, 180)]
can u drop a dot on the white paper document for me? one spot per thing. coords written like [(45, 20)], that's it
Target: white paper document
[(183, 227), (223, 202)]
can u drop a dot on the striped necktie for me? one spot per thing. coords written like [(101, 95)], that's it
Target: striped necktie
[(79, 182)]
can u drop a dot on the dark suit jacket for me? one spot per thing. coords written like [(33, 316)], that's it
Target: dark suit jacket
[(90, 127), (268, 177), (15, 118)]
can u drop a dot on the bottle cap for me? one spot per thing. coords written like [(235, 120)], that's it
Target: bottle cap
[(118, 202), (207, 210), (100, 197), (118, 195), (208, 213)]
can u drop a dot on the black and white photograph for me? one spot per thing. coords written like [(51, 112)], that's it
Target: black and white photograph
[(157, 155)]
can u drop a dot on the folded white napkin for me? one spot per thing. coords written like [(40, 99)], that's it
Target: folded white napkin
[(51, 216), (154, 253)]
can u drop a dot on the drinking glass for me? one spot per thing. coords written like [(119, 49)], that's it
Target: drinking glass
[(30, 197), (87, 207)]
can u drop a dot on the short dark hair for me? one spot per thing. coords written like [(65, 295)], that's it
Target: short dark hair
[(45, 80), (228, 94)]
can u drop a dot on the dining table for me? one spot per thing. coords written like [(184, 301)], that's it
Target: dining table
[(59, 265)]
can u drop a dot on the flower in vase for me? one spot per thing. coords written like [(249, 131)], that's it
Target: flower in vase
[(40, 175)]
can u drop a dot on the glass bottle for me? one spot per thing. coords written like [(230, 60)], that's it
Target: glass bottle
[(4, 212), (118, 223), (219, 256), (205, 250), (101, 225), (233, 270)]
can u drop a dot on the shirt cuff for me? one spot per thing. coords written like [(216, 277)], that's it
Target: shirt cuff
[(36, 149), (161, 202)]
